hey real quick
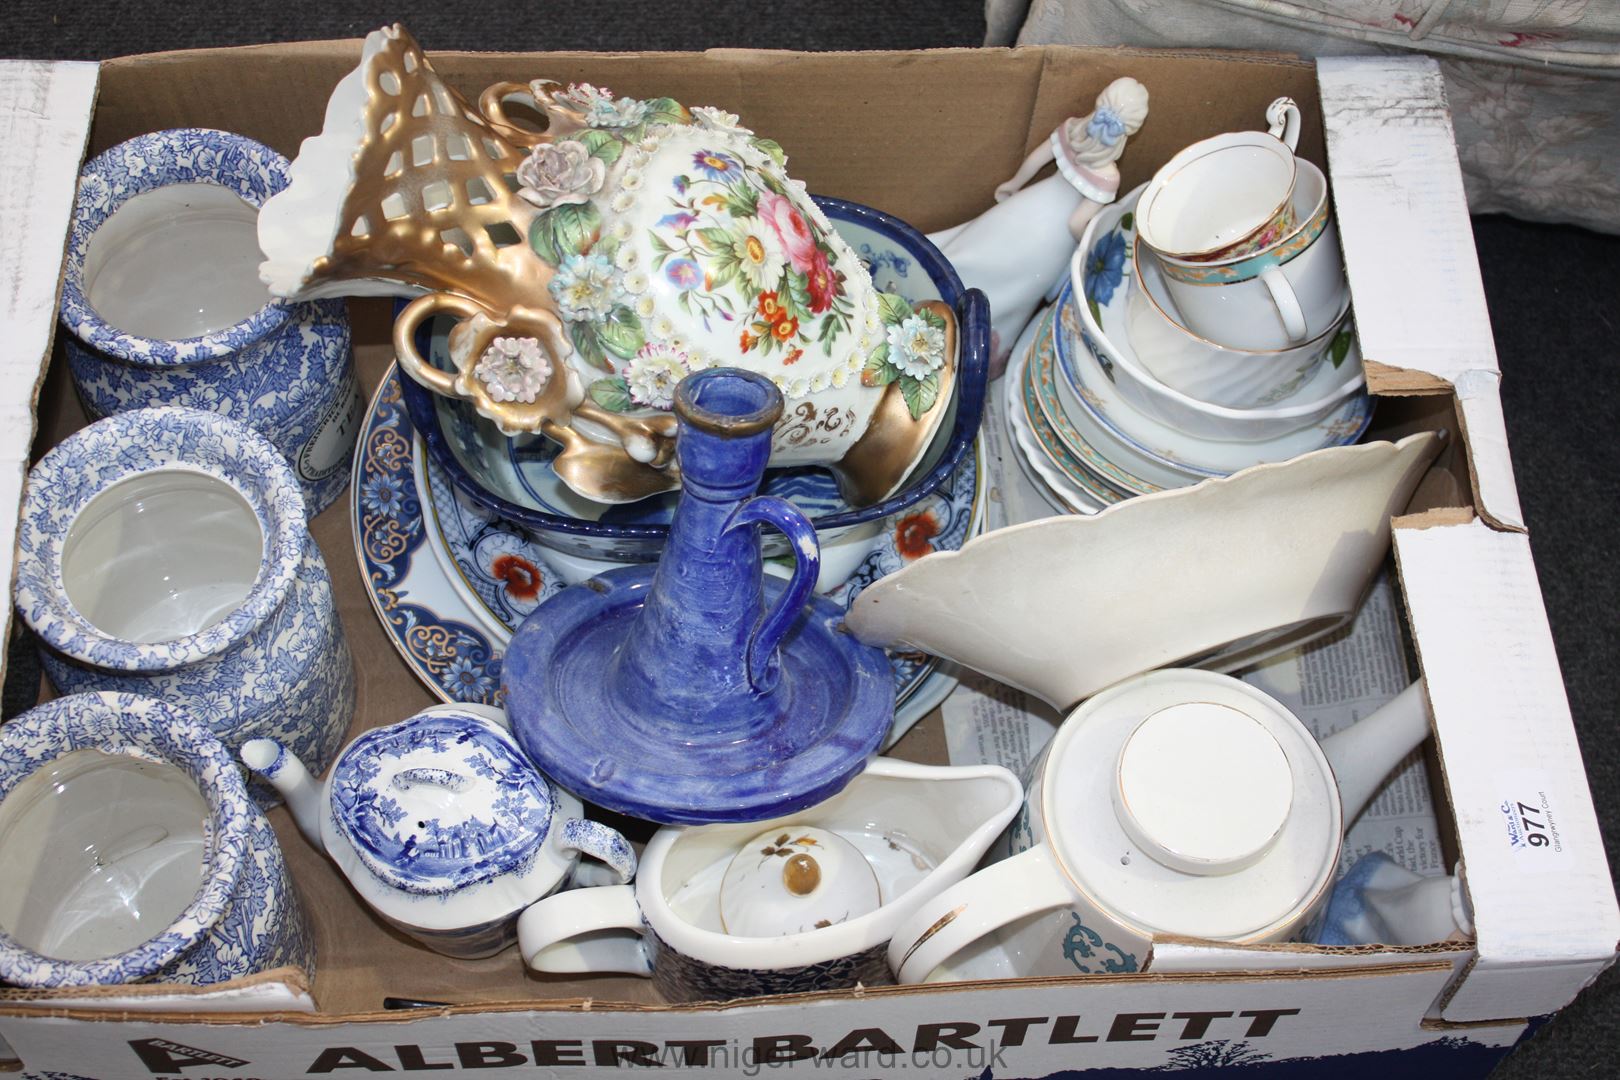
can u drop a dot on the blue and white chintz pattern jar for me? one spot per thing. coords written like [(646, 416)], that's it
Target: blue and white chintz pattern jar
[(165, 552), (164, 306), (134, 853)]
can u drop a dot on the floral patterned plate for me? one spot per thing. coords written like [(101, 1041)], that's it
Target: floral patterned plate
[(452, 628)]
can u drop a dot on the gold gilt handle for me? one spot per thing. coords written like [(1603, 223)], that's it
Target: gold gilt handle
[(422, 310), (415, 314), (476, 330), (648, 439), (538, 95)]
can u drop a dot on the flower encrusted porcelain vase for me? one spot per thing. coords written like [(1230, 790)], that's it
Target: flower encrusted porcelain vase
[(593, 265), (162, 306), (114, 855), (165, 552)]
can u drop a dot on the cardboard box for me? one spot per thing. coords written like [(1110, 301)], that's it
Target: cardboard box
[(926, 136)]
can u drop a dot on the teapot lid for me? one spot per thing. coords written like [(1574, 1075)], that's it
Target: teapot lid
[(440, 801), (1190, 803)]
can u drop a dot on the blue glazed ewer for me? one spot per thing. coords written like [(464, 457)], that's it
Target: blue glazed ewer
[(701, 690)]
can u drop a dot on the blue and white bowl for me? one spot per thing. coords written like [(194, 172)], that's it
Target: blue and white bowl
[(133, 853), (165, 552), (513, 477), (163, 303)]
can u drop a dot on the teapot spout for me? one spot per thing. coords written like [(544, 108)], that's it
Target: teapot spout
[(284, 772), (1363, 754)]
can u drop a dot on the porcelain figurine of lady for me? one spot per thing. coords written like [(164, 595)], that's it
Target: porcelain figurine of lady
[(1017, 251)]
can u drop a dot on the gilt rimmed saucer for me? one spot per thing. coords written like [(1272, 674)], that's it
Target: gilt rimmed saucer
[(1044, 460), (1074, 438)]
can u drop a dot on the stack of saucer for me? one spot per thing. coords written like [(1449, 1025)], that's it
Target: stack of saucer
[(1112, 393)]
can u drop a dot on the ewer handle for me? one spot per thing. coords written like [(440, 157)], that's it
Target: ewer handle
[(763, 665)]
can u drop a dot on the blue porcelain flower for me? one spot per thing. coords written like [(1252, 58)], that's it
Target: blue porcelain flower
[(586, 287), (384, 495), (1105, 267), (467, 680), (600, 108)]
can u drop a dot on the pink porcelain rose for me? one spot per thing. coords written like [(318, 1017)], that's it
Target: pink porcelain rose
[(559, 174), (791, 228)]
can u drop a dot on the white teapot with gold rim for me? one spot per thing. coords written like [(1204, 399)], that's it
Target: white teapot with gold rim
[(1180, 803)]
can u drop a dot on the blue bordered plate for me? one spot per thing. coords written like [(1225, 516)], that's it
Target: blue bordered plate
[(425, 570)]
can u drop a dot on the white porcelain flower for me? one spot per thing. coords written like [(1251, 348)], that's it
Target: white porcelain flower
[(714, 119), (645, 306), (586, 287), (636, 282), (560, 174), (599, 107), (514, 369), (632, 180), (758, 252), (916, 348), (622, 201), (840, 376), (620, 230), (628, 257), (652, 374)]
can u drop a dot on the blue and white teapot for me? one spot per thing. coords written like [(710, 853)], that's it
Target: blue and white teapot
[(443, 825)]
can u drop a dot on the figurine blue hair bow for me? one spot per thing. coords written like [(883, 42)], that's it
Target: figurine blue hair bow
[(1105, 126)]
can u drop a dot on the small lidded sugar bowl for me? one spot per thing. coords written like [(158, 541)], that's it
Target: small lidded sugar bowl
[(443, 825), (805, 902), (794, 880)]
